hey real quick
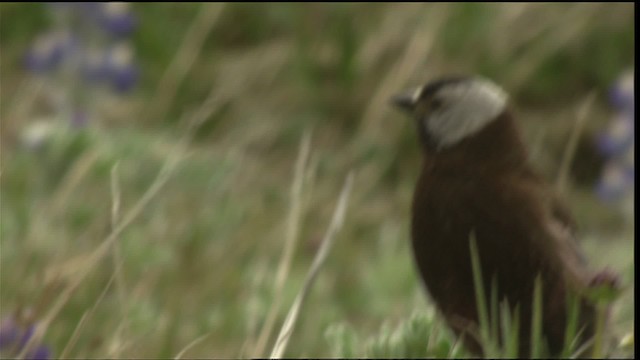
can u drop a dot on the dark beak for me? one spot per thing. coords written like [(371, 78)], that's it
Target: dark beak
[(404, 101)]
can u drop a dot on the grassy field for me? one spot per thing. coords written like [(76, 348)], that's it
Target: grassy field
[(182, 220)]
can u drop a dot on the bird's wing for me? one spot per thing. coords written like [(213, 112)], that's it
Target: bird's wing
[(536, 221)]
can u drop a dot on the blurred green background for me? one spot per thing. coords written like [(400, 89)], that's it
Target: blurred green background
[(248, 80)]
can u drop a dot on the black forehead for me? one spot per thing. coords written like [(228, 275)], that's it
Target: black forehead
[(433, 86)]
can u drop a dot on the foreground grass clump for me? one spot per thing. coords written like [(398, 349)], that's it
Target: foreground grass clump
[(420, 335)]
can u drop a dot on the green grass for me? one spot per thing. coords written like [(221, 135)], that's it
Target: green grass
[(198, 262)]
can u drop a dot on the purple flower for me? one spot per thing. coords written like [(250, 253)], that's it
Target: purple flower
[(617, 143), (621, 95), (15, 336), (117, 19), (89, 45), (48, 51), (40, 353), (616, 182), (123, 73), (618, 137), (8, 333), (124, 79)]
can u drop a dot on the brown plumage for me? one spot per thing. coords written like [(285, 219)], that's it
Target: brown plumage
[(476, 178)]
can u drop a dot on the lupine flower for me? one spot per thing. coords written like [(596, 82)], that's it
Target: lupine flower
[(48, 51), (117, 18), (618, 137), (15, 336), (123, 72), (615, 182), (621, 95), (617, 144), (86, 52)]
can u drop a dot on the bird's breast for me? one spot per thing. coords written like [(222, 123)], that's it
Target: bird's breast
[(440, 230)]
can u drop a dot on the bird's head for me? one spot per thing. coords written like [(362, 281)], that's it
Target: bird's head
[(452, 109)]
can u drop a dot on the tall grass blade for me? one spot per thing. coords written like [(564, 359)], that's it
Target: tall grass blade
[(572, 143), (293, 228), (494, 314), (479, 291), (598, 338), (336, 224), (510, 330), (573, 307), (536, 320)]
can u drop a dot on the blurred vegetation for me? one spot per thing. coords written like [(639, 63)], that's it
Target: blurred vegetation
[(201, 258)]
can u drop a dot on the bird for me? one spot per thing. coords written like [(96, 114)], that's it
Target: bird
[(477, 182)]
